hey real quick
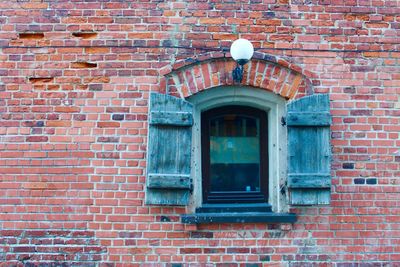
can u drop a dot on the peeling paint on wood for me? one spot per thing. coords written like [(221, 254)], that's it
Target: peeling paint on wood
[(309, 150), (170, 138)]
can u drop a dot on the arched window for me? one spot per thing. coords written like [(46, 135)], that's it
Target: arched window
[(234, 144), (259, 107)]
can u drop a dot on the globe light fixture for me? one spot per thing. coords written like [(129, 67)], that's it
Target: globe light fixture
[(241, 51)]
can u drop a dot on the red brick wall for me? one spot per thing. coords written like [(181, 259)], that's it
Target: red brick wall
[(74, 82)]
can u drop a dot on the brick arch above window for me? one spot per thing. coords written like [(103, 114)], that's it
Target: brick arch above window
[(188, 76)]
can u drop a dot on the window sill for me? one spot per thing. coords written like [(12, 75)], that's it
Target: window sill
[(236, 213)]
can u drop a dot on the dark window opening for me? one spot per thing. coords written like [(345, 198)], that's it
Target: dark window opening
[(234, 155)]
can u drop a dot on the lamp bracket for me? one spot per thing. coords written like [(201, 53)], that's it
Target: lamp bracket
[(237, 73), (242, 61)]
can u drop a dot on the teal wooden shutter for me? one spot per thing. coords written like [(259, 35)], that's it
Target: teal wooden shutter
[(309, 152), (169, 148)]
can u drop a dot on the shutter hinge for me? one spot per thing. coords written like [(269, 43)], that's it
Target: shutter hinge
[(283, 121), (283, 189)]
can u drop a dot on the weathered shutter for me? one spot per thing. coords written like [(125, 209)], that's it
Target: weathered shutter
[(169, 148), (308, 122)]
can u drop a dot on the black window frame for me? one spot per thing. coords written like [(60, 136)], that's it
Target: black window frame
[(234, 197)]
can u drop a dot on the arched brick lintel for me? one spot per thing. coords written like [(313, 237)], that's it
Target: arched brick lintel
[(189, 76)]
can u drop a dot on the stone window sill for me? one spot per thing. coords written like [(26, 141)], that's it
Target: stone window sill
[(237, 213)]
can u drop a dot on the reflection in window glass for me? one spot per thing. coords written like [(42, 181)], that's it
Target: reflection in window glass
[(234, 153)]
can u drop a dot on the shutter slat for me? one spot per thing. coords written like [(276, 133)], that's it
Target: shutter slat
[(171, 118), (171, 181), (309, 153), (170, 197), (169, 150), (310, 197), (309, 180), (309, 119)]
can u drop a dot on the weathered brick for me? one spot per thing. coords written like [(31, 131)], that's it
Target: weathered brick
[(31, 35), (108, 124), (361, 112), (85, 35), (201, 235), (97, 50), (37, 139), (83, 65), (58, 124), (190, 250), (95, 87), (117, 109), (108, 155), (41, 79), (79, 117), (75, 79), (67, 109), (107, 139), (118, 117)]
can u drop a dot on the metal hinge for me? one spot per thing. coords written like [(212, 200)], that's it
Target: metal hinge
[(191, 187), (283, 121)]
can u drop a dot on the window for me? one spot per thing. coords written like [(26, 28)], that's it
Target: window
[(265, 107), (234, 155), (238, 149)]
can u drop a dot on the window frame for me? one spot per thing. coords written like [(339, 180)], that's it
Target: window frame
[(234, 197), (275, 106)]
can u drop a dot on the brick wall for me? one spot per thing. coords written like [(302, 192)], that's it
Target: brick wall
[(75, 77)]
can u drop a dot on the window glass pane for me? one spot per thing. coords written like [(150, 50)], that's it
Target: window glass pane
[(234, 153)]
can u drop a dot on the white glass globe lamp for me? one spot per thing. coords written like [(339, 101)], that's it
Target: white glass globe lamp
[(241, 51)]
